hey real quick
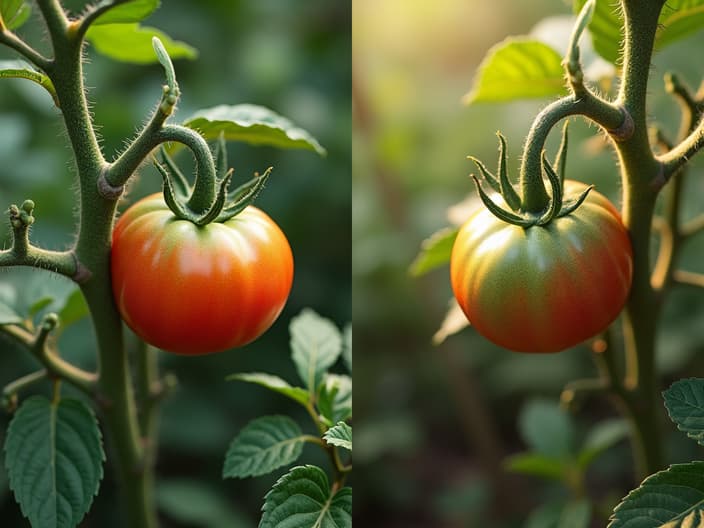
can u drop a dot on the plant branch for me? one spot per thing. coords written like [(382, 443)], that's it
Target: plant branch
[(40, 347), (693, 226), (676, 158), (12, 389), (11, 40), (55, 18), (688, 278)]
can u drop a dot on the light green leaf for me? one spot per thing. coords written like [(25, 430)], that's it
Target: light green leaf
[(455, 320), (678, 19), (302, 499), (8, 315), (54, 459), (600, 438), (684, 401), (537, 465), (316, 344), (39, 305), (23, 70), (672, 498), (74, 309), (252, 124), (435, 251), (347, 347), (518, 68), (196, 504), (132, 11), (339, 435), (604, 28), (274, 383), (264, 445), (133, 43), (547, 428), (335, 399), (14, 13)]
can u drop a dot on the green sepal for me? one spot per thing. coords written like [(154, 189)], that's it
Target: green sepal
[(571, 205), (489, 177), (169, 195), (561, 159), (244, 195), (220, 156), (214, 212), (507, 191), (498, 212), (556, 195), (181, 184)]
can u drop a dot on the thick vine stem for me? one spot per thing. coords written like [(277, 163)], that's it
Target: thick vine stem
[(39, 346)]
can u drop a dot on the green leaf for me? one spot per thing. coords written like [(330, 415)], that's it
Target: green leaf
[(678, 19), (347, 347), (339, 435), (547, 428), (604, 28), (74, 309), (434, 251), (684, 401), (196, 504), (518, 68), (559, 514), (672, 498), (39, 305), (23, 70), (537, 465), (132, 11), (601, 437), (252, 124), (274, 383), (54, 459), (133, 43), (335, 399), (302, 499), (14, 13), (316, 344), (8, 315), (264, 445)]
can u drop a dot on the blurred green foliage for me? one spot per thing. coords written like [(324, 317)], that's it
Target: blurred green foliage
[(437, 419), (290, 57)]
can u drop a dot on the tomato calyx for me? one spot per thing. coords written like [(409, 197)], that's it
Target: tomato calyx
[(557, 204), (178, 193)]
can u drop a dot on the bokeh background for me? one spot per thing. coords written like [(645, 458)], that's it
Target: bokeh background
[(292, 57), (434, 423)]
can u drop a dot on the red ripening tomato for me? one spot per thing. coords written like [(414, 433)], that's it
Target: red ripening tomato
[(195, 290), (543, 288)]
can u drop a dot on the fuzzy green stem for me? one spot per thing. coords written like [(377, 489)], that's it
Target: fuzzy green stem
[(11, 40), (610, 117)]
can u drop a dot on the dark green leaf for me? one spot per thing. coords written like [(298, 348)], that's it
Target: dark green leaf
[(264, 445), (39, 305), (673, 498), (74, 309), (133, 11), (537, 465), (252, 124), (600, 438), (684, 401), (54, 459), (14, 13), (518, 68), (274, 383), (315, 344), (678, 19), (604, 28), (133, 43), (435, 251), (335, 399), (302, 499), (339, 435), (547, 428)]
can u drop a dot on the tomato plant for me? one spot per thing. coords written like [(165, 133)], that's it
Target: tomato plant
[(546, 287), (197, 289)]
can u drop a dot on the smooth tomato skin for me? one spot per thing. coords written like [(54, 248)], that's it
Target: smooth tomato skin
[(545, 288), (196, 290)]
